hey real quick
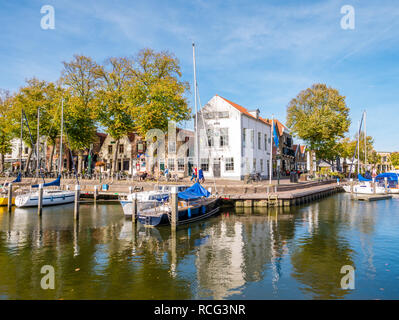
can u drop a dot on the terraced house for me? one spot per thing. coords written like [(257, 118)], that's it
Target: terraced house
[(234, 141)]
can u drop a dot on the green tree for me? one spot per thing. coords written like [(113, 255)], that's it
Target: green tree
[(80, 76), (320, 117), (157, 94), (395, 159), (36, 96), (116, 79), (6, 133)]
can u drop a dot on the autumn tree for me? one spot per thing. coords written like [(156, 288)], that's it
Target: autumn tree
[(157, 95), (80, 77), (37, 96), (115, 82), (319, 116), (5, 126)]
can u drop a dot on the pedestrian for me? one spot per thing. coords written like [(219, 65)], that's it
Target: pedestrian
[(201, 176), (194, 175)]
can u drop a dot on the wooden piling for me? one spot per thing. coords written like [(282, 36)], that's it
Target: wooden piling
[(134, 207), (95, 193), (9, 200), (386, 185), (374, 188), (351, 183), (174, 208), (76, 207), (40, 200)]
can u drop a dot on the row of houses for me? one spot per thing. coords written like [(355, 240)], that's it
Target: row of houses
[(234, 142)]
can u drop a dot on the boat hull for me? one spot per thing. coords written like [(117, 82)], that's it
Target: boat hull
[(185, 216), (4, 201), (50, 198)]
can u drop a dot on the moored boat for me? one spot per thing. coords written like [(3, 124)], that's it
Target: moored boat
[(195, 203)]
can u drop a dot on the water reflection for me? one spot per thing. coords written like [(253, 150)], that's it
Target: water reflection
[(286, 253)]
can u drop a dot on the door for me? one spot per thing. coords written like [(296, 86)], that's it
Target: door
[(216, 167)]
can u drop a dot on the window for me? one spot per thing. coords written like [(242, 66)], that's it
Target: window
[(224, 137), (229, 165), (209, 133), (265, 141), (259, 140), (171, 164), (180, 164), (209, 115), (223, 114), (110, 149), (172, 146), (121, 148), (140, 147), (205, 164), (261, 165)]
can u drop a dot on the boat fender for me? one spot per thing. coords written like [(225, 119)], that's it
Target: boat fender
[(189, 212), (203, 209)]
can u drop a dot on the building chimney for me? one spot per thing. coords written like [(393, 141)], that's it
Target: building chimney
[(255, 113)]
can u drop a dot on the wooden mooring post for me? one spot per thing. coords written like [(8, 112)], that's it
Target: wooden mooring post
[(174, 209), (40, 200), (134, 207), (76, 206), (9, 200), (95, 193), (386, 185)]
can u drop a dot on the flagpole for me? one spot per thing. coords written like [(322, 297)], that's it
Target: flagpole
[(271, 152)]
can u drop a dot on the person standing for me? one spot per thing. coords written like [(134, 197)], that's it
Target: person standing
[(194, 175)]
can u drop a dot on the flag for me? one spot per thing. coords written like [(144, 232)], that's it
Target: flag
[(275, 135)]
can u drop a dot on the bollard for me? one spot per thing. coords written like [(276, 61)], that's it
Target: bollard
[(40, 200), (76, 207), (134, 207), (9, 200), (174, 208), (386, 184), (95, 192)]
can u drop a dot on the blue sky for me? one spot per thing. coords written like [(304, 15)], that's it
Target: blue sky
[(259, 54)]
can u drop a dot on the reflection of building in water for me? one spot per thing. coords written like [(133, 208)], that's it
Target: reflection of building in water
[(220, 261)]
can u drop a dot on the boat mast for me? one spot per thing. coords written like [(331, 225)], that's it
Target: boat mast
[(196, 112), (365, 142), (37, 142), (20, 142), (271, 152), (62, 127)]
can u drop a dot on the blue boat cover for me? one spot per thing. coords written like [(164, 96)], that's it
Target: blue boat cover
[(194, 192), (361, 178), (390, 175), (56, 182), (18, 179)]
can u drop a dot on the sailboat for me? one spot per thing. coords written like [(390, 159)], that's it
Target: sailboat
[(195, 203), (50, 196)]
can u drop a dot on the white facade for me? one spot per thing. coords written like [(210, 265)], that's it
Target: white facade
[(233, 141)]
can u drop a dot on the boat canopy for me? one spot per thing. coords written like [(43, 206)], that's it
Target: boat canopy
[(361, 178), (56, 182), (391, 176), (194, 192), (18, 179)]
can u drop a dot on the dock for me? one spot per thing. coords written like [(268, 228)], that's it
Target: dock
[(371, 197)]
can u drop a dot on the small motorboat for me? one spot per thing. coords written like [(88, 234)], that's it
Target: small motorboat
[(195, 203), (148, 199)]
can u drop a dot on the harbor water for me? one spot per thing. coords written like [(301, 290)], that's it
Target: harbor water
[(280, 253)]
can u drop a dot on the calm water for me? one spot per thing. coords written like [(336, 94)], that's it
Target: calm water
[(243, 254)]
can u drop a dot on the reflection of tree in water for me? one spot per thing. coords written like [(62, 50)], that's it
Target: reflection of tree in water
[(321, 253)]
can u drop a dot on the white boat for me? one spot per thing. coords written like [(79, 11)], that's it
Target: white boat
[(148, 199), (50, 198), (364, 188)]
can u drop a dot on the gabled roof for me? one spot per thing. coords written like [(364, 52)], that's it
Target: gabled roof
[(243, 110)]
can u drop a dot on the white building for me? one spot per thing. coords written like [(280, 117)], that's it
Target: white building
[(233, 141)]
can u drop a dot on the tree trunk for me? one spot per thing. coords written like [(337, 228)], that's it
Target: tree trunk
[(50, 165), (28, 160), (312, 163), (114, 161), (2, 163), (80, 157)]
